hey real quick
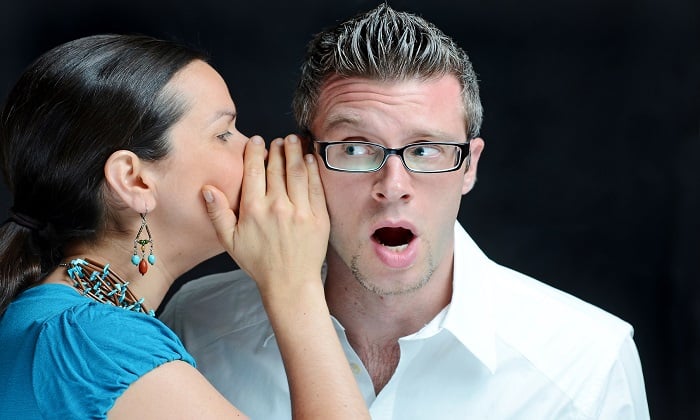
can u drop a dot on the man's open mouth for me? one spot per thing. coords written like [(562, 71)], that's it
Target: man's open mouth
[(396, 238)]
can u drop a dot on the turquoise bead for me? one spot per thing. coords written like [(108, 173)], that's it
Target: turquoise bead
[(151, 259), (135, 259)]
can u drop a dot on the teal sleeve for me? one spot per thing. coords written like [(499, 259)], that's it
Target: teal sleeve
[(87, 356)]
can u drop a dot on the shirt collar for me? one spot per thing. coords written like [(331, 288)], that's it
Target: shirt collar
[(469, 316)]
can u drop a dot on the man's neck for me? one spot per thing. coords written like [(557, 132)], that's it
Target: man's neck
[(374, 324), (384, 317)]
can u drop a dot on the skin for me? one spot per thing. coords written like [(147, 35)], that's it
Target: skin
[(192, 199), (381, 293), (207, 147)]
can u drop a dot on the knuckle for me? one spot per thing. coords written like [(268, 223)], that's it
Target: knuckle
[(280, 206), (296, 172), (275, 171), (254, 170), (251, 207)]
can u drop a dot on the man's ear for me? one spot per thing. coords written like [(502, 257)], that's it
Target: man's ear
[(128, 180), (475, 148)]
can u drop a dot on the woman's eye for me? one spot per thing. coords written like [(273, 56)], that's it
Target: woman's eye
[(224, 136)]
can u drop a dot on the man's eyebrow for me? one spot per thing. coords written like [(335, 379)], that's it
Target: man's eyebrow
[(336, 120), (354, 120)]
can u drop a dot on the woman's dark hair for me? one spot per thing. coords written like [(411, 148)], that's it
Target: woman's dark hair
[(69, 111)]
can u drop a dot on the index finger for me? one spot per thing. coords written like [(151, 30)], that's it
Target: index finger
[(254, 182), (317, 195), (297, 177)]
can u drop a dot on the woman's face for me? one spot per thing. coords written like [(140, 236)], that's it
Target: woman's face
[(206, 148)]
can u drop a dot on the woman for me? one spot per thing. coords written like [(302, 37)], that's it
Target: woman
[(118, 150)]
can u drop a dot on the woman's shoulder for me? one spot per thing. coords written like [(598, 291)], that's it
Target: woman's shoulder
[(95, 351), (94, 327)]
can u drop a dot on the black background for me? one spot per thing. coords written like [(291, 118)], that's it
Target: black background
[(589, 179)]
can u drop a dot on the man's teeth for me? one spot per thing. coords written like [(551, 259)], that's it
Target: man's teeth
[(397, 248)]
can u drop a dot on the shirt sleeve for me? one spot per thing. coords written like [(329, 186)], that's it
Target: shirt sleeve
[(625, 396), (87, 356)]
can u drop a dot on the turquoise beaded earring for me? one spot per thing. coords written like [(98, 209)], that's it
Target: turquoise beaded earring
[(140, 261)]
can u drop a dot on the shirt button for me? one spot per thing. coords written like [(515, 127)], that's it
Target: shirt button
[(355, 368)]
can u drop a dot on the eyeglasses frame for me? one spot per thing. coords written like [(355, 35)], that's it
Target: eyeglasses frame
[(465, 153)]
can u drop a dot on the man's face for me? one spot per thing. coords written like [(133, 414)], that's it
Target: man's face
[(393, 229)]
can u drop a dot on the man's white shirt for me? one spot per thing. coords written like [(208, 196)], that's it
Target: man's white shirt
[(506, 347)]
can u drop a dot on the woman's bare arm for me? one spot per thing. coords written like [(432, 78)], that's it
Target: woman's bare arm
[(174, 390)]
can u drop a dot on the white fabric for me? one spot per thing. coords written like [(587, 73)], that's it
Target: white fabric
[(507, 347)]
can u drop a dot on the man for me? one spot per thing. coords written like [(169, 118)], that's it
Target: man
[(431, 327)]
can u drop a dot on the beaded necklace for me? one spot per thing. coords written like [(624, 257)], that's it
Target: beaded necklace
[(101, 284)]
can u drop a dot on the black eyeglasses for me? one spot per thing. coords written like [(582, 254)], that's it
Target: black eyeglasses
[(362, 156)]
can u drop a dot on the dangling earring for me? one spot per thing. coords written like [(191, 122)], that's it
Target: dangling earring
[(141, 261)]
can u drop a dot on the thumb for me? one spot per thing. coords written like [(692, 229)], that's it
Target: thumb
[(222, 217)]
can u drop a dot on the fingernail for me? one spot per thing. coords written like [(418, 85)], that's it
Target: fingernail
[(208, 196), (256, 139), (310, 158), (292, 139)]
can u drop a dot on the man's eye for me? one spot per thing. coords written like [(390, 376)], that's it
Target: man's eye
[(356, 150), (426, 151)]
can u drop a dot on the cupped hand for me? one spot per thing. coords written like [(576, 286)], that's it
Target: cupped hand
[(280, 238), (282, 227)]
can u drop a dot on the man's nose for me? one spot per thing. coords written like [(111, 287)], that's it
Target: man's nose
[(393, 182)]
